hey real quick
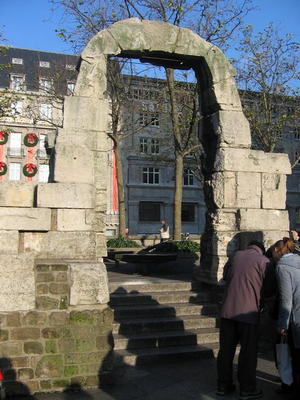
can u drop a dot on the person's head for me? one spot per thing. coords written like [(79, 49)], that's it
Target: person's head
[(258, 244), (294, 235), (283, 246), (163, 222)]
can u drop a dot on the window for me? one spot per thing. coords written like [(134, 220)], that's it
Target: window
[(151, 175), (144, 145), (148, 116), (46, 85), (144, 94), (17, 61), (70, 88), (17, 82), (15, 139), (188, 177), (42, 150), (297, 135), (297, 156), (14, 172), (154, 148), (46, 111), (70, 67), (149, 211), (44, 64), (188, 212), (17, 107), (43, 172)]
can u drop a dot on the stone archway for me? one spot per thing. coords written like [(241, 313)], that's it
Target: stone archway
[(244, 188)]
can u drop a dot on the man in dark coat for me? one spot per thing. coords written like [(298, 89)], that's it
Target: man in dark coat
[(244, 274)]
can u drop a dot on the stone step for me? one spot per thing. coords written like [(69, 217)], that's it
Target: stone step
[(165, 310), (165, 339), (146, 356), (122, 299), (132, 326), (145, 286)]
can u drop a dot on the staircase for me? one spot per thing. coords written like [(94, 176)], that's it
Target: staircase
[(159, 319)]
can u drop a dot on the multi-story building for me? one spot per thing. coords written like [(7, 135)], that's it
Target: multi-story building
[(36, 83)]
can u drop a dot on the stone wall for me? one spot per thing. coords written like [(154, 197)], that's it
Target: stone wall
[(55, 345)]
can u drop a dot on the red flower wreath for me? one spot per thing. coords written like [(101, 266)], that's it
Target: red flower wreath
[(29, 170), (3, 168), (31, 140), (3, 137)]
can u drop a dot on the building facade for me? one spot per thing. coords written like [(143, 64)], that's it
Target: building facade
[(36, 82)]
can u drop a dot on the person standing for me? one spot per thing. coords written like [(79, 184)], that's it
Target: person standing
[(288, 323), (244, 275), (164, 231)]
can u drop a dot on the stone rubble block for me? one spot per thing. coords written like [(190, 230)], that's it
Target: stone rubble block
[(66, 195), (232, 128), (25, 219), (89, 284), (226, 95), (9, 242), (253, 219), (274, 191), (61, 245), (224, 187), (248, 190), (17, 194), (247, 160), (102, 43), (85, 113), (17, 282), (72, 220), (73, 164), (222, 243), (91, 83)]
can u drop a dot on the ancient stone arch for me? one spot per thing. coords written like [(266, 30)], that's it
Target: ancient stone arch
[(52, 236)]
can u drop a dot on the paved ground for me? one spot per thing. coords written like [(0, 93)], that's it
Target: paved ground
[(185, 380)]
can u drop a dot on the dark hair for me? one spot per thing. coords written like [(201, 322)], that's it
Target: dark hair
[(284, 246), (258, 244)]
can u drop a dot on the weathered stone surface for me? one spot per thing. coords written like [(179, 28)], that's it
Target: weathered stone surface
[(73, 164), (66, 195), (224, 220), (273, 191), (89, 284), (50, 366), (247, 160), (25, 219), (84, 113), (232, 128), (263, 220), (18, 293), (72, 220), (16, 194), (33, 348), (248, 190), (9, 242), (67, 245), (25, 333)]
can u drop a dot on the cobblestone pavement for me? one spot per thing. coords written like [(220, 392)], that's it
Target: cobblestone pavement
[(180, 380)]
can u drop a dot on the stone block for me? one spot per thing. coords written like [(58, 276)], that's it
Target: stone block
[(85, 114), (33, 348), (17, 194), (248, 190), (17, 294), (50, 366), (224, 186), (89, 284), (73, 164), (220, 243), (9, 242), (66, 195), (25, 333), (254, 219), (25, 219), (274, 191), (73, 220), (232, 128), (61, 245), (224, 220), (247, 160)]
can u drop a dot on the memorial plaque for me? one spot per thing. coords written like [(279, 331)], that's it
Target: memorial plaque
[(89, 284)]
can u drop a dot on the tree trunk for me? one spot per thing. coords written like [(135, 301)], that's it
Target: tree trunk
[(121, 194), (178, 196)]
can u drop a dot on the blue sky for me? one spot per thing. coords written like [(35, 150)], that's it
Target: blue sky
[(31, 24)]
